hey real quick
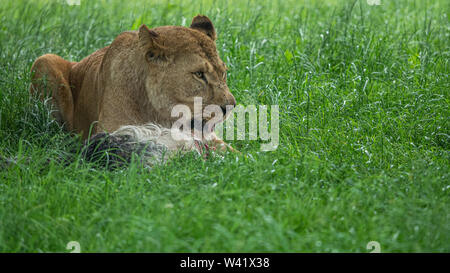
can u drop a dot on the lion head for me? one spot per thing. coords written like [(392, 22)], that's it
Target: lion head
[(181, 64)]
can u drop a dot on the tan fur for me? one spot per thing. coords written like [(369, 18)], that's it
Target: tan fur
[(135, 80)]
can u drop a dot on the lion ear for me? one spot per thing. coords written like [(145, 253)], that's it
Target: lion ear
[(150, 44), (203, 24)]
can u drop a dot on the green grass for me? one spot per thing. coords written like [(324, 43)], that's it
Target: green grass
[(364, 155)]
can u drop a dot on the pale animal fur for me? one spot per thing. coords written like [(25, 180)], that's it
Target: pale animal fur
[(172, 139), (151, 143)]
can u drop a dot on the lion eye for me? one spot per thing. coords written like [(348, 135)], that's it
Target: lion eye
[(199, 74)]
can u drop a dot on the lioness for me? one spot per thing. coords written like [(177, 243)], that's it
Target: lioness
[(136, 80)]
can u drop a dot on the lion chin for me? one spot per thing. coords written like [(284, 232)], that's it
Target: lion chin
[(127, 90)]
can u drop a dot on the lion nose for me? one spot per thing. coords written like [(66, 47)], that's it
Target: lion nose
[(231, 102)]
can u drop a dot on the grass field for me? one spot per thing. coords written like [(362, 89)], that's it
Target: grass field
[(363, 93)]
